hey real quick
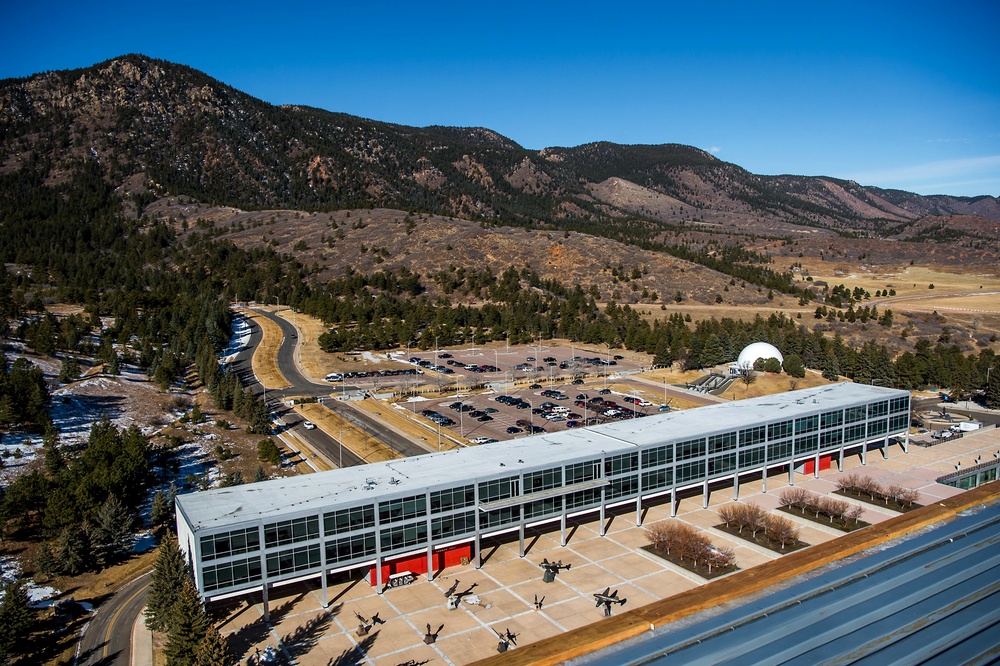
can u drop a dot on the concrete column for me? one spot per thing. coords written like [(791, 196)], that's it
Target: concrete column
[(864, 453), (322, 573), (736, 487), (906, 442), (763, 478), (520, 536), (562, 527), (379, 583), (478, 549), (430, 561), (885, 448), (816, 466), (267, 612), (704, 494), (638, 511), (602, 530), (840, 459), (791, 471), (673, 502)]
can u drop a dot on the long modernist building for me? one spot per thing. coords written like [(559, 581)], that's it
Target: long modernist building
[(423, 513)]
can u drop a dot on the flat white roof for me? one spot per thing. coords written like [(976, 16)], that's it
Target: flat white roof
[(280, 498)]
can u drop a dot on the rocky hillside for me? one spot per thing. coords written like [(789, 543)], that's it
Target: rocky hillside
[(158, 129)]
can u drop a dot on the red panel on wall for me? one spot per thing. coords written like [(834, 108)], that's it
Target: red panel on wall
[(809, 466), (417, 563)]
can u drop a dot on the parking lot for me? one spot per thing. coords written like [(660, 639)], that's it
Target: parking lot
[(500, 415), (539, 364)]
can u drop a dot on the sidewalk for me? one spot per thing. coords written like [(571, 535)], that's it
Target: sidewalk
[(142, 641)]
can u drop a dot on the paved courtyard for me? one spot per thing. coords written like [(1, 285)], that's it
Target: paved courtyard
[(507, 585)]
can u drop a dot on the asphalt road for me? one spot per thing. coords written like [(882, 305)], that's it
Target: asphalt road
[(107, 640), (301, 385)]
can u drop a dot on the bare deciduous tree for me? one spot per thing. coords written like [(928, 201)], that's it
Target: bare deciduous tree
[(782, 530)]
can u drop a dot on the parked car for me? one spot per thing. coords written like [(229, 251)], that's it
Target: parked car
[(535, 386), (513, 430), (308, 425), (577, 382)]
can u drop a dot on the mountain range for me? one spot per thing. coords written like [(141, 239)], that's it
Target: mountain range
[(155, 129)]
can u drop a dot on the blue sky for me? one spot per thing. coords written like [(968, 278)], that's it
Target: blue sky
[(895, 94)]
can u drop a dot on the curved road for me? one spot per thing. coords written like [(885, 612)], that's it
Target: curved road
[(107, 638), (301, 385)]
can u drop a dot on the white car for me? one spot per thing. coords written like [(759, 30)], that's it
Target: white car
[(308, 425)]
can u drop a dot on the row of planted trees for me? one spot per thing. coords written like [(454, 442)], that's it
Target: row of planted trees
[(805, 502), (755, 520), (684, 542), (861, 485)]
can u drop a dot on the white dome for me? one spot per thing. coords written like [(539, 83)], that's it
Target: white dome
[(757, 350)]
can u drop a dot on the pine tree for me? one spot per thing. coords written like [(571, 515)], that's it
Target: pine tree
[(831, 370), (74, 550), (188, 626), (16, 619), (160, 513), (993, 388), (113, 367), (45, 562), (170, 573), (112, 532), (69, 370), (259, 475), (213, 650)]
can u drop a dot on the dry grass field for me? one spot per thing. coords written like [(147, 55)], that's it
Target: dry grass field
[(265, 358), (361, 443), (768, 384)]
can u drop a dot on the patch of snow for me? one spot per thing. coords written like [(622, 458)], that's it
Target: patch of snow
[(368, 356), (38, 595), (144, 542)]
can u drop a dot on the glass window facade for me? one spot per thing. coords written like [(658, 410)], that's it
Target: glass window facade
[(231, 574), (452, 498), (621, 464), (294, 559), (580, 472), (348, 520), (498, 489), (693, 448), (547, 478), (404, 508), (291, 531), (236, 542), (350, 548)]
